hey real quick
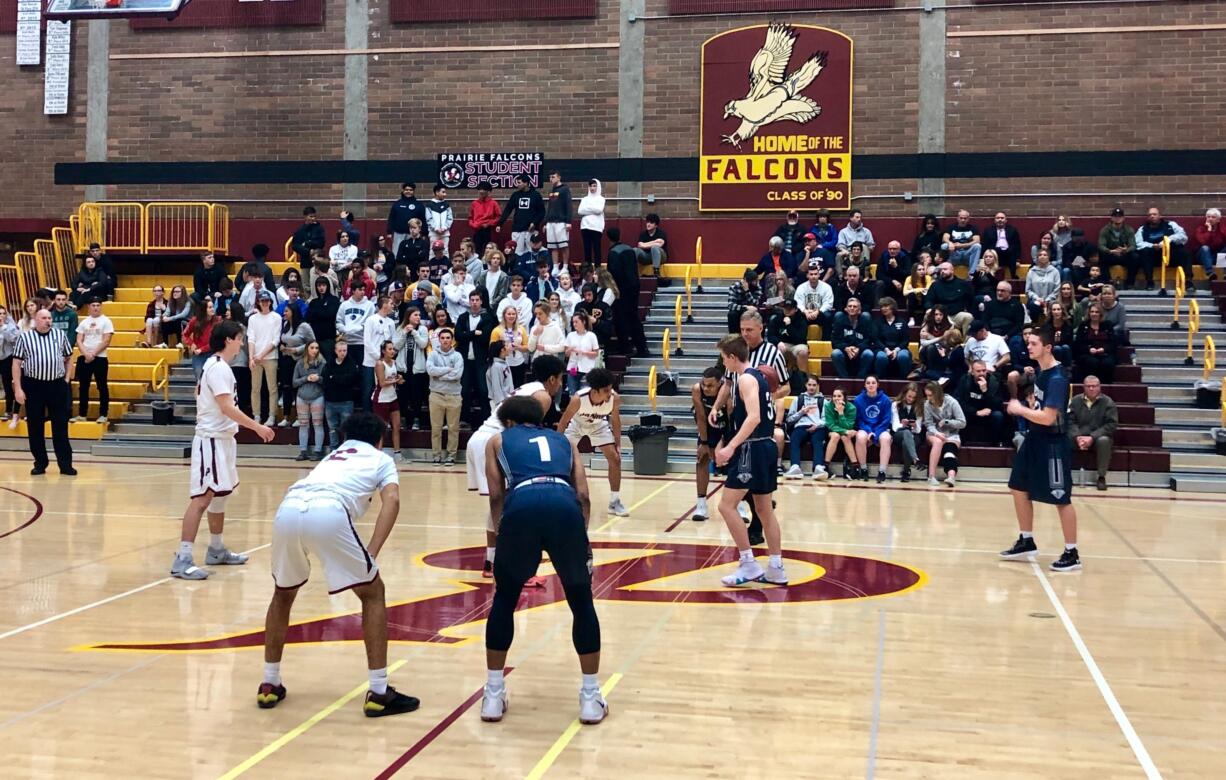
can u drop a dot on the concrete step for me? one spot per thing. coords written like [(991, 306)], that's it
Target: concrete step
[(1187, 416), (138, 428), (139, 449), (1194, 483), (1206, 461)]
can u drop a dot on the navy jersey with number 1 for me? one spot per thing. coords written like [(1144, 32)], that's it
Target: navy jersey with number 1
[(529, 451)]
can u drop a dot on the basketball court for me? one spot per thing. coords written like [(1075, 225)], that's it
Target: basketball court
[(903, 648)]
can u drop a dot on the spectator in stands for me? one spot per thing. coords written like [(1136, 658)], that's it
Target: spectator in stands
[(30, 309), (944, 360), (807, 423), (1092, 286), (413, 249), (935, 325), (8, 340), (776, 260), (1061, 325), (346, 218), (456, 294), (483, 214), (930, 237), (446, 370), (984, 280), (891, 342), (591, 222), (536, 254), (1022, 373), (515, 335), (518, 300), (652, 246), (293, 300), (351, 317), (322, 314), (893, 267), (908, 423), (385, 400), (1149, 247), (827, 237), (342, 254), (853, 232), (321, 269), (439, 218), (526, 210), (961, 242), (1004, 239), (788, 329), (599, 313), (812, 255), (816, 298), (985, 345), (253, 290), (1114, 313), (1094, 347), (559, 211), (841, 425), (340, 379), (776, 288), (874, 417), (1047, 242), (438, 262), (377, 328), (546, 336), (623, 267), (953, 294), (411, 341), (1117, 244), (308, 236), (309, 398), (1092, 421), (197, 332), (943, 419), (1067, 298), (1209, 239), (401, 214), (290, 276), (582, 350), (1079, 255), (742, 295), (493, 283), (91, 282), (857, 258), (541, 284), (439, 321), (295, 335), (63, 317), (791, 233), (568, 297), (915, 290), (1005, 316), (103, 260), (851, 339), (854, 286), (93, 337), (154, 312), (980, 395), (264, 335), (1042, 285)]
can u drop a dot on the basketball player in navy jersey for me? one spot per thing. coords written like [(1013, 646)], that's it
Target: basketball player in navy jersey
[(539, 497), (752, 458), (1042, 469), (704, 394)]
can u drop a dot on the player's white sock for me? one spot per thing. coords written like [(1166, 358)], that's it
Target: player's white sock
[(185, 550), (614, 495), (272, 673), (590, 683), (215, 541), (1027, 535), (776, 561), (701, 507), (378, 680), (1072, 546), (747, 556), (489, 554), (493, 678)]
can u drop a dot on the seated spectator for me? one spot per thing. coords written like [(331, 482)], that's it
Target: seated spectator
[(892, 269), (741, 296), (891, 342), (934, 326), (915, 290), (954, 294), (1149, 248), (1078, 256), (812, 255), (1208, 240), (807, 423), (983, 281), (815, 298), (1093, 285), (1042, 285), (102, 259), (1092, 421), (776, 288), (1067, 298), (961, 242), (982, 399), (172, 319), (776, 260), (791, 233), (1003, 239), (1061, 233), (854, 285), (856, 258), (874, 418), (1046, 242), (827, 238), (788, 329), (91, 282), (985, 345), (1005, 316), (1094, 347), (652, 246), (207, 278), (414, 249), (943, 419), (342, 254), (851, 339), (154, 312), (1022, 372), (841, 426), (944, 361), (930, 237), (1117, 244), (853, 232), (907, 424), (1062, 333), (1114, 313)]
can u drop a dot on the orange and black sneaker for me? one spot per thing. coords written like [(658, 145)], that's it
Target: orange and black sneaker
[(390, 703), (269, 695)]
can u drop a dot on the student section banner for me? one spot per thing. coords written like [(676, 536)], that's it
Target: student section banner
[(775, 119), (469, 170)]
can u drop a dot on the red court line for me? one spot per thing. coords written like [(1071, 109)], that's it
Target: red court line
[(433, 733), (690, 511), (38, 512)]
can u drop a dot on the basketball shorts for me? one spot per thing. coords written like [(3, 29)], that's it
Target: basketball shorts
[(318, 526), (556, 235), (599, 436), (542, 518), (1043, 469), (214, 466), (754, 467), (474, 458), (523, 241)]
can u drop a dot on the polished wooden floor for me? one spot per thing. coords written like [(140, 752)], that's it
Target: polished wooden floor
[(906, 649)]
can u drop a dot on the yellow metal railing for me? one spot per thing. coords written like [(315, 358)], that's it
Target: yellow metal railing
[(1166, 261), (12, 292), (290, 257), (651, 387), (698, 260), (48, 267), (173, 226), (178, 226), (1210, 359), (219, 230), (65, 253), (74, 226), (116, 227), (27, 270), (1193, 327), (677, 323), (689, 295), (664, 347), (1178, 297), (160, 379)]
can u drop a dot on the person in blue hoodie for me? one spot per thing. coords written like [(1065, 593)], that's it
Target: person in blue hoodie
[(827, 236), (874, 415), (403, 210)]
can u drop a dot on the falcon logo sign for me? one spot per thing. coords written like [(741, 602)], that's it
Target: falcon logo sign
[(775, 119)]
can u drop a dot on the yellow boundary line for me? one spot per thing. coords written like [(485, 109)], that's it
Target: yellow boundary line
[(638, 504), (560, 744)]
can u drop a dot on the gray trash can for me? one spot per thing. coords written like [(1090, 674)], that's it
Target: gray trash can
[(650, 444)]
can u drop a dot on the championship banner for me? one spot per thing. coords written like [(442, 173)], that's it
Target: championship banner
[(775, 119), (498, 169)]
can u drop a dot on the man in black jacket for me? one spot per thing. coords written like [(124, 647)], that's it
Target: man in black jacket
[(979, 395), (308, 236), (893, 267), (789, 330), (1004, 239), (529, 210), (403, 210), (341, 381), (851, 338), (472, 337), (207, 279), (623, 266), (321, 314), (891, 340), (558, 215), (954, 294), (853, 286)]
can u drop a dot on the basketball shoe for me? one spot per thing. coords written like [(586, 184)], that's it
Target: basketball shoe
[(616, 507), (775, 575), (592, 707), (493, 704), (1069, 561), (223, 557), (186, 569), (269, 695), (745, 573), (1022, 548), (392, 702)]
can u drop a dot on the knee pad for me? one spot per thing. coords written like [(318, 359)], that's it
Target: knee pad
[(949, 456), (218, 504)]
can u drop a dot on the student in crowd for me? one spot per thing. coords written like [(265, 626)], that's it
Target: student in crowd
[(309, 399), (296, 334), (385, 401), (943, 419), (841, 427), (807, 421), (494, 283), (598, 313), (309, 236), (414, 248), (342, 254), (516, 338), (378, 328), (94, 335), (582, 350), (652, 246), (591, 221), (483, 215), (446, 370), (240, 364), (874, 418), (197, 332), (8, 341), (439, 217), (412, 341), (91, 282), (498, 380), (340, 380), (1042, 285), (546, 336), (154, 313), (907, 424), (473, 331), (351, 317), (1094, 347), (264, 335)]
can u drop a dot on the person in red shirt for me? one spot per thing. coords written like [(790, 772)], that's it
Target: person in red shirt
[(483, 215), (1209, 239)]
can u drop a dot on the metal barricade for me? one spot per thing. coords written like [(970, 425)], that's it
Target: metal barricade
[(27, 270), (65, 254), (116, 227), (178, 227), (12, 293), (48, 266)]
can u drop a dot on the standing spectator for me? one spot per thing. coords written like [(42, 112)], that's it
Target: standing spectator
[(197, 332), (623, 267), (516, 337), (472, 261), (827, 238), (891, 341), (541, 285), (376, 329), (980, 395), (558, 214), (240, 364), (591, 222), (908, 423), (322, 314), (1149, 247), (568, 297), (93, 337), (155, 310), (517, 300), (961, 242), (1042, 285), (438, 262), (788, 329), (351, 316), (792, 234), (1092, 422), (402, 212), (929, 238), (943, 419), (546, 336), (853, 232), (1004, 238), (41, 359), (528, 209), (776, 260), (64, 317), (599, 312), (851, 339), (854, 286), (1117, 244), (816, 298), (498, 377), (293, 300), (91, 282), (536, 254), (383, 260), (953, 294), (653, 246), (892, 269), (259, 261), (446, 370), (412, 340), (483, 214), (841, 424), (253, 290), (582, 350), (385, 401), (296, 334), (413, 249), (309, 398), (340, 377), (456, 293), (342, 254), (439, 218), (807, 422), (346, 218), (309, 236), (474, 329), (1094, 347), (984, 345), (1209, 240), (493, 283), (742, 296), (264, 334), (8, 340), (874, 420)]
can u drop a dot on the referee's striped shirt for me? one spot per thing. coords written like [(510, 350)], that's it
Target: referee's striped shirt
[(42, 354), (767, 354)]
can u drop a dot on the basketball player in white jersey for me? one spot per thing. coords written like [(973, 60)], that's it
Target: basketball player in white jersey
[(547, 370), (316, 518), (214, 473), (595, 412)]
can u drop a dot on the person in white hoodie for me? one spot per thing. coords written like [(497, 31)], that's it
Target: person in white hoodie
[(378, 328), (439, 217), (456, 290), (263, 338), (351, 318), (591, 222)]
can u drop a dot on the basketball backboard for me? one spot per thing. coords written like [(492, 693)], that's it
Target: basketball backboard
[(113, 9)]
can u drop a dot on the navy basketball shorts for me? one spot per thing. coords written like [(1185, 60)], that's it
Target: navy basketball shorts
[(754, 467), (542, 518), (1043, 469)]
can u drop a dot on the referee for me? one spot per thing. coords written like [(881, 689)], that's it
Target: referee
[(40, 377)]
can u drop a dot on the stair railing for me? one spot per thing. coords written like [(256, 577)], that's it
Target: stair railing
[(677, 322), (1178, 297), (1210, 357), (664, 347), (1166, 260), (651, 388), (161, 379), (698, 260), (1193, 327)]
